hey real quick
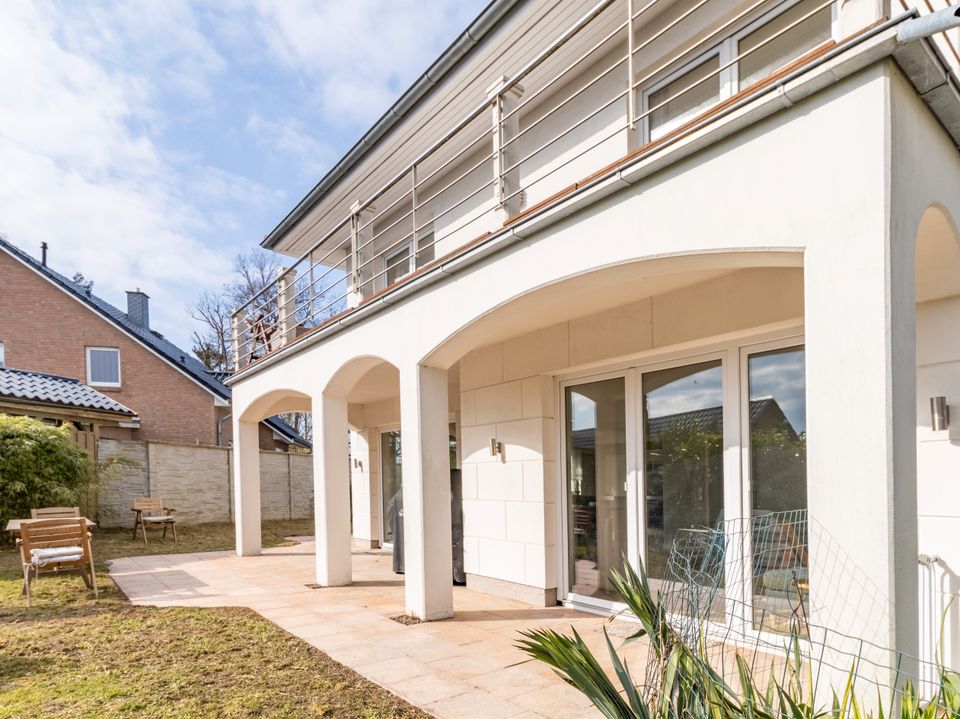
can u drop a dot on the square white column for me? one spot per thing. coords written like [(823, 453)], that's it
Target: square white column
[(331, 492), (428, 547), (246, 486)]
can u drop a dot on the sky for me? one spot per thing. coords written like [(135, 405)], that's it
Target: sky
[(149, 142)]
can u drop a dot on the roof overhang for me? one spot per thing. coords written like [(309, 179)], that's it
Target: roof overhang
[(9, 405), (491, 16)]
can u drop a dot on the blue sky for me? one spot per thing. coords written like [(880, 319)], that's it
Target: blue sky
[(148, 142)]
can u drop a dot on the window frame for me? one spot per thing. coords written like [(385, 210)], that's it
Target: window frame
[(726, 51), (764, 18), (671, 76), (90, 380), (2, 356)]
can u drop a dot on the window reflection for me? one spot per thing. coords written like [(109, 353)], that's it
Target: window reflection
[(596, 484), (778, 474), (683, 449)]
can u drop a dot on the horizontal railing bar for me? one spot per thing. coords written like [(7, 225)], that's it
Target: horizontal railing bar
[(386, 229), (305, 254), (277, 281), (386, 250), (730, 63), (485, 135), (613, 133), (570, 32), (563, 103), (381, 213), (705, 41), (485, 159), (616, 98), (549, 83)]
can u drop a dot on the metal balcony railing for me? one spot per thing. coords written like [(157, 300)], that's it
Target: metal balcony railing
[(581, 104)]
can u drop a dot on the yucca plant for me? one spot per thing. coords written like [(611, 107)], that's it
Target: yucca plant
[(688, 687)]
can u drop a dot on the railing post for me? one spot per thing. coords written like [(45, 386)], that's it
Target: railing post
[(235, 339), (287, 295), (631, 95), (354, 291), (505, 126)]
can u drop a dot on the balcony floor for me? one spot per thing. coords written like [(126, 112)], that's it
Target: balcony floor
[(466, 666)]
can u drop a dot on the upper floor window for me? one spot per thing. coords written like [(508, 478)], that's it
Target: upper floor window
[(755, 52), (398, 264), (784, 38), (1, 355), (103, 366), (683, 96), (400, 261)]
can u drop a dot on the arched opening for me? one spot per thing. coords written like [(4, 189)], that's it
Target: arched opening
[(268, 485), (938, 433), (566, 395), (366, 391)]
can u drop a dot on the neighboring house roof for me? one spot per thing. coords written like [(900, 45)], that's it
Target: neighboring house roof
[(489, 18), (53, 390), (183, 361), (709, 419)]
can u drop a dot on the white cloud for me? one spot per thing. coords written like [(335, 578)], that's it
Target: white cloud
[(81, 171), (289, 137), (361, 55)]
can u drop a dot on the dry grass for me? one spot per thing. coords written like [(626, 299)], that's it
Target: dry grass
[(71, 656)]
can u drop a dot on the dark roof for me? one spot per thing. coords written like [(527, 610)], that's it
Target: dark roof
[(50, 389), (182, 360), (707, 419)]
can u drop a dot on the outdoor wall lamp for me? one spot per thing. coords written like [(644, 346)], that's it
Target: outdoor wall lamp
[(496, 448), (939, 414)]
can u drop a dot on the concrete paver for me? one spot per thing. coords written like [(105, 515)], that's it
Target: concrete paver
[(467, 666)]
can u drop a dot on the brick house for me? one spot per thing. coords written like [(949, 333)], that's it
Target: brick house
[(53, 325)]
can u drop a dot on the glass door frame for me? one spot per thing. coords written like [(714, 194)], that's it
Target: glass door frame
[(733, 352), (382, 430), (628, 375)]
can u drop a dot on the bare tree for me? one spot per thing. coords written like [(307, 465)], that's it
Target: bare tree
[(213, 343)]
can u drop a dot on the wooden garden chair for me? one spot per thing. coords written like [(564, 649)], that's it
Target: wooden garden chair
[(150, 511), (56, 546), (54, 512)]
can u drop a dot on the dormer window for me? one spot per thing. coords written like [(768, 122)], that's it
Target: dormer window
[(103, 366)]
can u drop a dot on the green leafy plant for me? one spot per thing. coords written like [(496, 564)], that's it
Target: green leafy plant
[(40, 465), (688, 687)]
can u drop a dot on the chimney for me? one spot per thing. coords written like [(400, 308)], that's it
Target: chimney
[(43, 253), (138, 308)]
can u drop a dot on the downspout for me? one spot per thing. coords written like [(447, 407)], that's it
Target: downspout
[(220, 422), (929, 24)]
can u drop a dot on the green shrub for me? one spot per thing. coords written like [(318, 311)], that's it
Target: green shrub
[(40, 466)]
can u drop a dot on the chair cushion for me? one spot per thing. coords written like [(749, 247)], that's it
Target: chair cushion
[(158, 518), (53, 555)]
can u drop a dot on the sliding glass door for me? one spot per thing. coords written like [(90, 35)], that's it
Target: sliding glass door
[(649, 454)]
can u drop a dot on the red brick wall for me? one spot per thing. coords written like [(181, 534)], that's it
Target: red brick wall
[(44, 329)]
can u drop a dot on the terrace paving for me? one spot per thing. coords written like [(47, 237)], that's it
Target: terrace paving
[(466, 666)]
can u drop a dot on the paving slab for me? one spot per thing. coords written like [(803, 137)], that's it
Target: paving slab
[(466, 666)]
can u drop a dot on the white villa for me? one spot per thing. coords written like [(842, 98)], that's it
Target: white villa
[(635, 268)]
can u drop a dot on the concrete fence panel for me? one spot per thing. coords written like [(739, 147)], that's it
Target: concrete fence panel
[(197, 481)]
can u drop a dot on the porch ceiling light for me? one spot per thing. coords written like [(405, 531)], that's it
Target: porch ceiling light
[(939, 414)]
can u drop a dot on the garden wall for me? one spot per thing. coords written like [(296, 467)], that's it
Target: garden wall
[(198, 481)]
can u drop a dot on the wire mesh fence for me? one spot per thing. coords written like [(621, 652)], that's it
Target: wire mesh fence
[(773, 605)]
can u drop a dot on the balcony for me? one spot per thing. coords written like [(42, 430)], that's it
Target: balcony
[(627, 78)]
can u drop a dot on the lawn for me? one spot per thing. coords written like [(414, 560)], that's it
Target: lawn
[(73, 656)]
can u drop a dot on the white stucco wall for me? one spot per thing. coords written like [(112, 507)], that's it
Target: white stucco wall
[(809, 186)]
